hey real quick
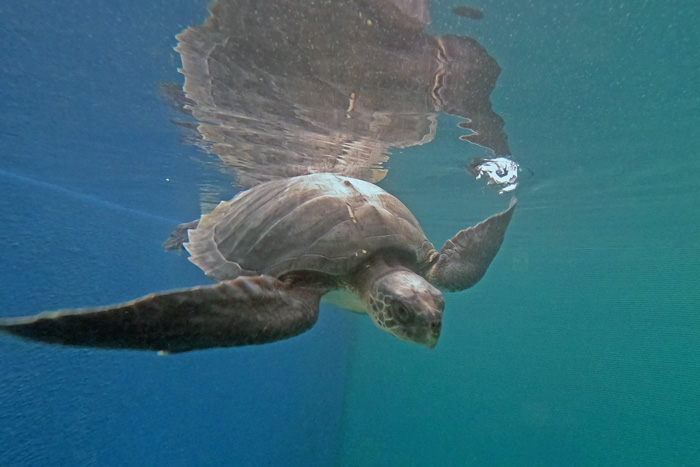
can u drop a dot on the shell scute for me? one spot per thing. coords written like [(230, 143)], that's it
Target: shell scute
[(323, 222)]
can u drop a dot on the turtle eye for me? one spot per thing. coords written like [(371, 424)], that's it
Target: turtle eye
[(401, 313)]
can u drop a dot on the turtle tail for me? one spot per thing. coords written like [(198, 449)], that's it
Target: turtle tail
[(179, 236)]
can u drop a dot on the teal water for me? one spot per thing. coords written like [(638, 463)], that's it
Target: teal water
[(581, 346)]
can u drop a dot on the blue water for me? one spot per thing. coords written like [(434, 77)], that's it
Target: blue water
[(581, 346)]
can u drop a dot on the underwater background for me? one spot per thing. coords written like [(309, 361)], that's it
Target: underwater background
[(581, 345)]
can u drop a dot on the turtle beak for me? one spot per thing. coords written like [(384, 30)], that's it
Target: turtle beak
[(433, 328), (425, 330)]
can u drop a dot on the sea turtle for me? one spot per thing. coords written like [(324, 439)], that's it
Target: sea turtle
[(275, 250)]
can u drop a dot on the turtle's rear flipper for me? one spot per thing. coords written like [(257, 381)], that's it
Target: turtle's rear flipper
[(179, 236), (243, 311), (464, 258)]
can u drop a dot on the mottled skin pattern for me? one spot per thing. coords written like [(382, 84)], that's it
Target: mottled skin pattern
[(275, 250), (400, 301)]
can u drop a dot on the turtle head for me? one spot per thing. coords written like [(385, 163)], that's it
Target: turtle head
[(404, 304)]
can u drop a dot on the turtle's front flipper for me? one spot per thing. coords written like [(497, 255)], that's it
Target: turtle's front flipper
[(243, 311), (465, 258)]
